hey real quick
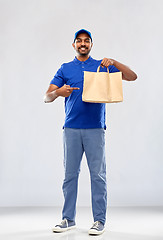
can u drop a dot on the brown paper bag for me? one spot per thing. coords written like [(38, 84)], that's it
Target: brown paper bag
[(102, 87)]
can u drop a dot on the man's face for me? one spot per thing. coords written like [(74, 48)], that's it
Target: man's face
[(82, 44)]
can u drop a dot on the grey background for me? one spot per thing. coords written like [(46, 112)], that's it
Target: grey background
[(35, 39)]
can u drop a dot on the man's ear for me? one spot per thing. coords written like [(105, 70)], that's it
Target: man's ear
[(73, 44)]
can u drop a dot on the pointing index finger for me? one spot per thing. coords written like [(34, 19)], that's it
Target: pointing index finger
[(74, 88)]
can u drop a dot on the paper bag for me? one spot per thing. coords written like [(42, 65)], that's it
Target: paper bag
[(102, 87)]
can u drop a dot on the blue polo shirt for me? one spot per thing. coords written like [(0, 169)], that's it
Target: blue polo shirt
[(80, 114)]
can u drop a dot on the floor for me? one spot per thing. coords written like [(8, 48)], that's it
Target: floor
[(123, 223)]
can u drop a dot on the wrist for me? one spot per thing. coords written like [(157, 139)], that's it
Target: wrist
[(57, 92), (112, 61)]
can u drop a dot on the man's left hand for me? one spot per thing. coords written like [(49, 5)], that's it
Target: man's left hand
[(106, 62)]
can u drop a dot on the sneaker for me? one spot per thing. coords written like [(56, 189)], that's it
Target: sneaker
[(64, 226), (97, 229)]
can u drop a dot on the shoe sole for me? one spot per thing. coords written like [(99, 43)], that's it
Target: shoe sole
[(60, 230), (95, 232)]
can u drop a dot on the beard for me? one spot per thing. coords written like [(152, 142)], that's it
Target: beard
[(83, 53)]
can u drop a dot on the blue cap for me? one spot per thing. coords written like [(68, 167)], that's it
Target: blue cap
[(82, 31)]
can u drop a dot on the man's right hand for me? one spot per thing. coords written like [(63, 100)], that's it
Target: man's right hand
[(54, 91), (66, 90)]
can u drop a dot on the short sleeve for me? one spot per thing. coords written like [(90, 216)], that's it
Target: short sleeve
[(58, 79), (113, 69)]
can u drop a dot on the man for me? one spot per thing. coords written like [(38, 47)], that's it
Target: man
[(84, 130)]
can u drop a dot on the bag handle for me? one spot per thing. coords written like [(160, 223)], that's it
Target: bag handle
[(98, 69)]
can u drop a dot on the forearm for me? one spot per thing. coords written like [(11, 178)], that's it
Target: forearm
[(127, 73), (50, 96)]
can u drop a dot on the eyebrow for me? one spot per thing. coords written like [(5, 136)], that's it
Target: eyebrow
[(83, 38)]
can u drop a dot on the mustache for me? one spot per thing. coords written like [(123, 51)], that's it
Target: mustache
[(83, 46)]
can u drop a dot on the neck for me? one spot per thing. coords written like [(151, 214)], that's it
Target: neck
[(82, 58)]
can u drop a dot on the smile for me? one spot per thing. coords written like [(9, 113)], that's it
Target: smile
[(83, 48)]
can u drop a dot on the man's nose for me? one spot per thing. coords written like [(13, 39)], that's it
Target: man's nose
[(83, 42)]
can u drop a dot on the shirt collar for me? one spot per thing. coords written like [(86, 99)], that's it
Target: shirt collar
[(76, 61)]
